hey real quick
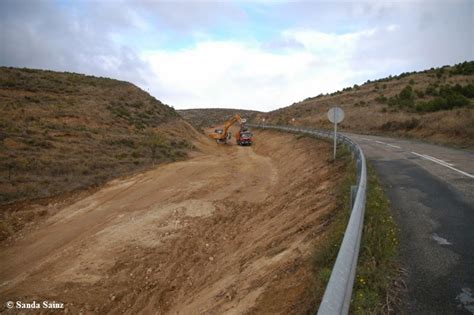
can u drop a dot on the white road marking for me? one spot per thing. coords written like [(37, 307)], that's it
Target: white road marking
[(435, 160), (440, 240), (467, 299), (366, 139), (441, 161), (443, 164), (393, 146), (390, 145)]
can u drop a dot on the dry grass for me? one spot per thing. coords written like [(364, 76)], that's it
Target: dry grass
[(377, 279), (63, 131), (205, 117), (366, 113)]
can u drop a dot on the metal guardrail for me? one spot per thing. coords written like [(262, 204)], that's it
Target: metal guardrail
[(337, 297)]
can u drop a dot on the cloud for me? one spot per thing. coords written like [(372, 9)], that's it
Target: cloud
[(259, 54), (248, 75), (40, 34)]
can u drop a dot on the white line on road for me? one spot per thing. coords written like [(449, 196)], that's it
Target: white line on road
[(443, 164), (393, 146), (441, 161), (366, 139), (434, 159), (390, 145)]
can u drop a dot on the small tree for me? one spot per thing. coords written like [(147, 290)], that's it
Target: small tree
[(406, 93), (156, 143)]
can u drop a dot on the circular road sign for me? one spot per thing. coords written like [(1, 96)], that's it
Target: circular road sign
[(336, 115)]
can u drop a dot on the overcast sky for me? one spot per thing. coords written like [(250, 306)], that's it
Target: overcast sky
[(241, 54)]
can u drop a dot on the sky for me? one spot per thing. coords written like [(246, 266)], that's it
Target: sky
[(259, 55)]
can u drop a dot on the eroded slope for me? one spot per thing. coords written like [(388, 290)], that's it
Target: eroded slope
[(229, 230)]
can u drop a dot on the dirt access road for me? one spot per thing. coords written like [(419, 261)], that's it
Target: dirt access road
[(229, 230)]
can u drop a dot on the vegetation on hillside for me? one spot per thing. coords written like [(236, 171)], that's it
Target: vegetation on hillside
[(435, 104), (64, 131), (205, 117), (444, 97)]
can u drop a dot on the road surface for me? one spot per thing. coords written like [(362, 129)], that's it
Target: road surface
[(431, 190)]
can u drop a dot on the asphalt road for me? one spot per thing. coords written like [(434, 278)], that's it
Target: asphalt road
[(431, 191)]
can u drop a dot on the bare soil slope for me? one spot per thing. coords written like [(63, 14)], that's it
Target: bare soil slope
[(228, 231)]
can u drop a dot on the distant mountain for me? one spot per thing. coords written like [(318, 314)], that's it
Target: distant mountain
[(205, 117)]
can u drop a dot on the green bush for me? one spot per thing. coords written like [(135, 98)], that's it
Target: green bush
[(406, 93), (439, 72), (467, 90), (431, 90), (381, 99), (404, 100), (443, 103), (419, 94), (465, 68)]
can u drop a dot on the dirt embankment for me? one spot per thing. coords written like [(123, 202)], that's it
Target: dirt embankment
[(229, 230)]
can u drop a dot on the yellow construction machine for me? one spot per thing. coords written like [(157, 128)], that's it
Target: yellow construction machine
[(223, 135)]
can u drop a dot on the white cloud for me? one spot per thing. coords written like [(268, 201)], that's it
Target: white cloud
[(392, 27), (270, 53), (244, 74)]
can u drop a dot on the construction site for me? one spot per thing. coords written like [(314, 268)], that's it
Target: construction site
[(236, 157), (231, 229)]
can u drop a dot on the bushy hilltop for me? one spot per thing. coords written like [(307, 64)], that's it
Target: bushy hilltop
[(436, 105), (64, 131), (205, 117)]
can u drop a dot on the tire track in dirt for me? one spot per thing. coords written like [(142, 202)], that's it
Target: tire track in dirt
[(229, 230)]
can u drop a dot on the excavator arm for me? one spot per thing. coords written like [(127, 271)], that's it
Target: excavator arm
[(221, 135)]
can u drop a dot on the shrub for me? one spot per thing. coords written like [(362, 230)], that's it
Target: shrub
[(419, 93), (431, 90), (443, 103), (465, 68), (381, 99), (433, 105), (360, 104), (406, 93), (439, 72), (467, 90)]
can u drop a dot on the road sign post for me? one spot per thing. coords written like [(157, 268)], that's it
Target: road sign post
[(335, 115)]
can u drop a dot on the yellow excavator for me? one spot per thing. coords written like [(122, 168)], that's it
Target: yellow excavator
[(223, 135)]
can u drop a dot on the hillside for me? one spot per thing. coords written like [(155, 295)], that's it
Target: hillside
[(205, 117), (64, 131), (435, 105)]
